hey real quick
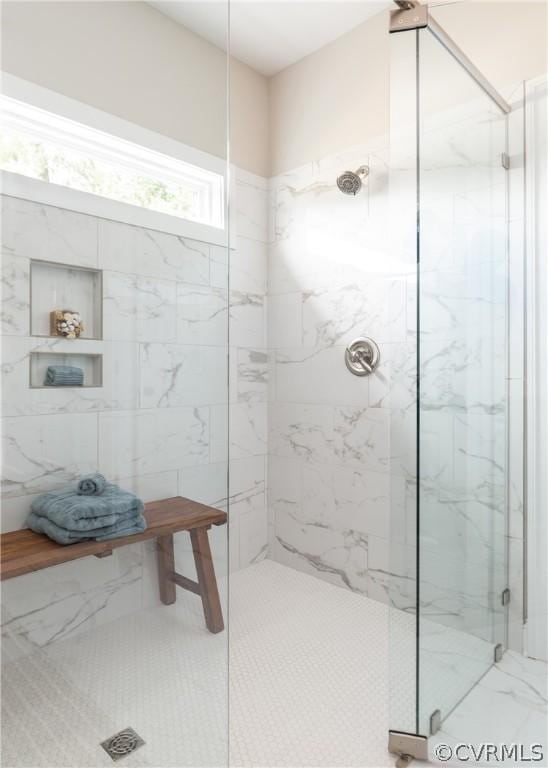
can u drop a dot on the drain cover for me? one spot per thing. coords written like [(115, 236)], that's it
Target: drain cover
[(122, 744)]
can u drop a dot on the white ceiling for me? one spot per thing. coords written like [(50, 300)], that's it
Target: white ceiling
[(269, 35)]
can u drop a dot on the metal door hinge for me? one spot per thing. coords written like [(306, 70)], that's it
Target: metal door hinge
[(403, 19), (505, 161), (435, 722), (505, 597), (407, 746)]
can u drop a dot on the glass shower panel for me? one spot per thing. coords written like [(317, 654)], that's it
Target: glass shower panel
[(114, 207), (461, 402)]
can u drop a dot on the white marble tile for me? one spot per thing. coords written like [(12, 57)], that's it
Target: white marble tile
[(248, 429), (362, 437), (120, 372), (138, 308), (393, 384), (248, 266), (247, 490), (219, 273), (43, 232), (301, 430), (202, 316), (339, 315), (175, 375), (249, 373), (46, 607), (15, 511), (159, 485), (251, 206), (506, 706), (207, 483), (162, 256), (41, 453), (155, 440), (247, 319), (285, 320), (15, 294), (311, 375), (339, 557)]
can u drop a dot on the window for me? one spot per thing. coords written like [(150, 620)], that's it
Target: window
[(55, 149)]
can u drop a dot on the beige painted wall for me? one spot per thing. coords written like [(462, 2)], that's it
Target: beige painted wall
[(129, 59), (338, 96)]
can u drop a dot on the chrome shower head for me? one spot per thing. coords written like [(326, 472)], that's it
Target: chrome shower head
[(350, 182)]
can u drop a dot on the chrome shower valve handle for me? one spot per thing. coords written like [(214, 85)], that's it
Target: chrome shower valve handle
[(362, 356)]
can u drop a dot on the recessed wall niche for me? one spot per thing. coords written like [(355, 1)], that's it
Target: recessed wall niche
[(91, 365), (58, 286)]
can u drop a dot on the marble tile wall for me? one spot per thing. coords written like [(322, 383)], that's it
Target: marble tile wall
[(159, 424), (334, 468), (342, 450)]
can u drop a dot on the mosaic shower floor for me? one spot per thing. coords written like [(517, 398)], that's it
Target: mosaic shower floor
[(308, 670)]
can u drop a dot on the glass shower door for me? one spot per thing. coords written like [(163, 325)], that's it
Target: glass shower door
[(461, 316)]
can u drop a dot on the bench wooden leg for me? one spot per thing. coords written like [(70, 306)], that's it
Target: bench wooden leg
[(206, 580), (166, 568)]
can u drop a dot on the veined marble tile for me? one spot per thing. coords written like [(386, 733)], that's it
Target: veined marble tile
[(153, 440), (248, 266), (455, 305), (219, 273), (285, 320), (175, 375), (338, 557), (15, 294), (48, 606), (249, 371), (247, 434), (304, 431), (251, 206), (480, 456), (138, 308), (508, 705), (119, 390), (335, 317), (160, 485), (37, 231), (41, 453), (202, 316), (362, 437), (207, 483), (247, 488), (247, 319), (311, 375), (332, 496), (248, 429), (393, 384), (159, 255), (464, 375)]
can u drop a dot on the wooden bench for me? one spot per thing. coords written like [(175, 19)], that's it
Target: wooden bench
[(25, 551)]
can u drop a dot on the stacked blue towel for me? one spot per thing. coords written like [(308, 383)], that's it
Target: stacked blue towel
[(67, 516), (64, 376)]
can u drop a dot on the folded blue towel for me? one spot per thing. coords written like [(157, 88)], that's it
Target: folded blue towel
[(64, 376), (69, 510), (91, 485), (73, 512), (135, 524)]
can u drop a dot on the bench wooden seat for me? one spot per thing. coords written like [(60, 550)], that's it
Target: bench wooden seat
[(25, 551)]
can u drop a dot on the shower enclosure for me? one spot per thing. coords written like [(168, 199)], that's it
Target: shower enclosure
[(450, 165)]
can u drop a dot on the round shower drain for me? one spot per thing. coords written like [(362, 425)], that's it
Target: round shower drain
[(122, 743)]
